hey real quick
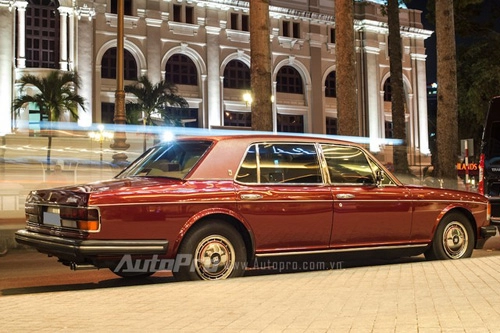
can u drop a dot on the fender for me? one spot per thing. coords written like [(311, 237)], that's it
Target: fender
[(196, 218)]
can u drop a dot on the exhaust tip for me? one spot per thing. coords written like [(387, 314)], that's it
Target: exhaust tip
[(80, 267)]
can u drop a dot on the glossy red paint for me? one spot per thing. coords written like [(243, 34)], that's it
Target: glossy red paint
[(282, 195)]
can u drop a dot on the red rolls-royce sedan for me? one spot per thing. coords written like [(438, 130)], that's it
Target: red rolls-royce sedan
[(210, 207)]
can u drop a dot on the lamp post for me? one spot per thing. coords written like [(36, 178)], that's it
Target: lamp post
[(120, 137)]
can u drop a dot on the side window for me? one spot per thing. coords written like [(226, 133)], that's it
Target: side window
[(282, 163), (348, 165), (248, 169)]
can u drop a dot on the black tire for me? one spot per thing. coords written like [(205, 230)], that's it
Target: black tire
[(454, 239), (216, 251)]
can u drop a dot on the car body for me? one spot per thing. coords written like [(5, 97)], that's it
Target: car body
[(210, 207), (489, 160)]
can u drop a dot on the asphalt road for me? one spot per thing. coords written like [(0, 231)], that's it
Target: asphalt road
[(28, 272)]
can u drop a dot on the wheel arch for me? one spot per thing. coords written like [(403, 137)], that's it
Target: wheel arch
[(240, 227), (460, 210)]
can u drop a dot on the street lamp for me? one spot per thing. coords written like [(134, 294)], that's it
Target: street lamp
[(247, 97)]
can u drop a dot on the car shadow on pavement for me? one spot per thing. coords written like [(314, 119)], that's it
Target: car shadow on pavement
[(104, 279), (301, 264), (103, 284), (274, 266)]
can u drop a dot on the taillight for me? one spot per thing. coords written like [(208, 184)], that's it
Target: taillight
[(80, 218), (488, 211), (480, 183)]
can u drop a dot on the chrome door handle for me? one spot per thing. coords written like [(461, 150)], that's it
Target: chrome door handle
[(251, 196), (345, 196)]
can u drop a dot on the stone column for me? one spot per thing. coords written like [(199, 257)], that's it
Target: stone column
[(204, 113), (71, 41), (373, 97), (316, 105), (84, 61), (421, 102), (6, 68), (154, 50), (213, 74), (21, 33), (63, 39)]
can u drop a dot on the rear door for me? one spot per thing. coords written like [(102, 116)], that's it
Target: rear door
[(365, 214), (283, 197)]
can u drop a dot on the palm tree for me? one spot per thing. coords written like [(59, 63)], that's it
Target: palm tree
[(153, 101), (56, 95), (347, 112), (260, 67), (447, 113), (400, 156)]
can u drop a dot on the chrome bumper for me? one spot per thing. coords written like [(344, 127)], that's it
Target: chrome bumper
[(77, 249)]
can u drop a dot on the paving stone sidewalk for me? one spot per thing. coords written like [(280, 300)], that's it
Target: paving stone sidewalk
[(437, 296)]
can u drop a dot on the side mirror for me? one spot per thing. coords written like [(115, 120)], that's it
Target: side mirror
[(379, 177)]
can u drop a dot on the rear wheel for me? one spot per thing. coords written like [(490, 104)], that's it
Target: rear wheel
[(454, 239), (215, 250)]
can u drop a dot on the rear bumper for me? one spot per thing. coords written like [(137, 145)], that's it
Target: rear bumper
[(486, 232), (80, 250), (495, 210)]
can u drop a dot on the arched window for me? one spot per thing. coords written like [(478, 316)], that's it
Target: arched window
[(42, 34), (108, 66), (387, 90), (180, 69), (289, 81), (237, 75), (330, 85)]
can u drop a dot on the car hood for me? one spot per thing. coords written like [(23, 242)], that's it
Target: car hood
[(445, 194)]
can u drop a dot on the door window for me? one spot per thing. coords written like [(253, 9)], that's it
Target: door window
[(348, 165), (280, 163)]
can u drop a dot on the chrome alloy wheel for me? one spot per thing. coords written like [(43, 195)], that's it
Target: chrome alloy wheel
[(455, 240), (214, 258)]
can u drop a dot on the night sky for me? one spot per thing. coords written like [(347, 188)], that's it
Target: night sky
[(430, 43)]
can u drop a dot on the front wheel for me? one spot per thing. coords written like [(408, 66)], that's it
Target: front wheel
[(217, 251), (454, 239)]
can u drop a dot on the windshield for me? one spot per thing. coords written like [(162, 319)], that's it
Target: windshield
[(173, 160)]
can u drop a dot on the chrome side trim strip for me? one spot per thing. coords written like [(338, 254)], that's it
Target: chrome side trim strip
[(285, 201), (351, 249)]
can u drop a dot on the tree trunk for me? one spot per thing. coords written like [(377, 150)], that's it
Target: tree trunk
[(400, 156), (347, 112), (260, 67), (447, 107)]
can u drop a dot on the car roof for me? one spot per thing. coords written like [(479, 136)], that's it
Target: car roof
[(249, 138), (225, 156)]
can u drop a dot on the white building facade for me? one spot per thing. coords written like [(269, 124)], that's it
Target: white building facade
[(204, 48)]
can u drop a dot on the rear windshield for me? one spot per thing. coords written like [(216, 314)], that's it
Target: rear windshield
[(173, 160)]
